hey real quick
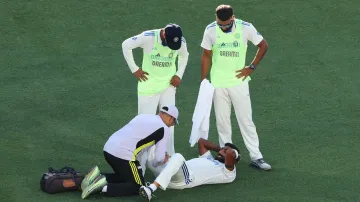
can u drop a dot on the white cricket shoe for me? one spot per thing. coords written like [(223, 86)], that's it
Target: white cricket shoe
[(145, 193), (261, 164)]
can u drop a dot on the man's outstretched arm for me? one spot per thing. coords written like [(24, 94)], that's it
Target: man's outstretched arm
[(206, 145)]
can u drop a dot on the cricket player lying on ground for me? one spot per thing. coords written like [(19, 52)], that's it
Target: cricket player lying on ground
[(180, 174)]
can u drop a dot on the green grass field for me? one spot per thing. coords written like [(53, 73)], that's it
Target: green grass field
[(65, 87)]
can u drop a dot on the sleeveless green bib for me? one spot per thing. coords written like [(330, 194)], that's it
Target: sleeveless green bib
[(160, 64), (229, 54)]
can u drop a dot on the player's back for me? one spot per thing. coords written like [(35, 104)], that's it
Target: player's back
[(128, 138)]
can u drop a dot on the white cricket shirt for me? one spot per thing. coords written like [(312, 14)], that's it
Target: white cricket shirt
[(201, 171), (146, 41), (249, 34), (142, 132), (207, 170)]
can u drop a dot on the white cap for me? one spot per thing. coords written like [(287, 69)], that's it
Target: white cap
[(172, 111)]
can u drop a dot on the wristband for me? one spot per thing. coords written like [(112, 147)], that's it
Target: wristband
[(236, 154)]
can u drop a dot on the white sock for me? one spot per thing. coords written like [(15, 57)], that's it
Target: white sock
[(153, 187), (104, 188)]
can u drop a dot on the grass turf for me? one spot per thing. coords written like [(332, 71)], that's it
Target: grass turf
[(65, 88)]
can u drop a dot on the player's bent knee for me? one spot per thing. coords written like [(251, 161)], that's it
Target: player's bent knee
[(177, 157)]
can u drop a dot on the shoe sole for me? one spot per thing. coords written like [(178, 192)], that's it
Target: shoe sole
[(93, 189), (255, 166), (90, 177), (143, 194)]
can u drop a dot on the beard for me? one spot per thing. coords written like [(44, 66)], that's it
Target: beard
[(220, 159), (228, 29)]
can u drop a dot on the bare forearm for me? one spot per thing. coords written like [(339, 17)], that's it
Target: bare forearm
[(230, 159), (205, 145), (205, 65), (262, 50)]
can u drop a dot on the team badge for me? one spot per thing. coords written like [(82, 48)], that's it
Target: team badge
[(237, 35), (171, 55), (236, 44), (176, 39)]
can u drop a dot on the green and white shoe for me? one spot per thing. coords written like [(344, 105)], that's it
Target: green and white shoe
[(90, 177), (96, 186)]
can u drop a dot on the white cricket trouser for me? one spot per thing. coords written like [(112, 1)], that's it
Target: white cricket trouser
[(149, 104), (149, 164), (239, 96), (176, 171)]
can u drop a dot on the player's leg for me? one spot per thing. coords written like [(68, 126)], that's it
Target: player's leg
[(175, 170), (115, 165), (242, 105), (134, 180), (94, 173), (240, 97), (142, 157), (222, 108), (156, 170), (147, 104), (126, 180), (168, 98)]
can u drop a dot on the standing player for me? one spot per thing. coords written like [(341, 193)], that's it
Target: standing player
[(158, 78), (225, 42), (121, 150), (181, 174)]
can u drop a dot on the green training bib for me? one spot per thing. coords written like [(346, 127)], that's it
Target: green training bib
[(229, 53), (160, 64)]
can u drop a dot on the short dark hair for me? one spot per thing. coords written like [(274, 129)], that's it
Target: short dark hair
[(232, 146), (224, 12)]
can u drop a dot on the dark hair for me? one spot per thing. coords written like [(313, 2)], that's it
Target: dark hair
[(224, 12), (232, 146)]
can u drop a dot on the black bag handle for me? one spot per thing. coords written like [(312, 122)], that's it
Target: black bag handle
[(68, 170), (63, 170)]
